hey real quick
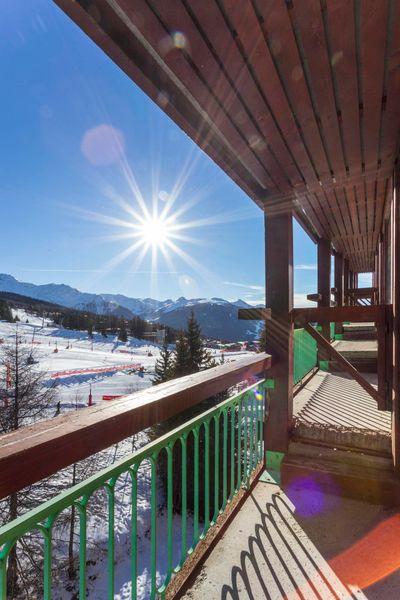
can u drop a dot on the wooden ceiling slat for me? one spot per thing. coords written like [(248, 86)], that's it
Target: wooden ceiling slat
[(373, 30), (370, 196), (308, 18), (173, 57), (382, 185), (211, 20), (391, 113), (352, 203), (282, 44), (344, 66), (245, 22), (175, 19), (312, 200)]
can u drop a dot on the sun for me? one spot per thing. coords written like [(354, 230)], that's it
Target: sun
[(155, 231)]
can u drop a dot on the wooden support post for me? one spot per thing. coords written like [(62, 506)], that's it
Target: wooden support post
[(279, 333), (346, 281), (339, 272), (324, 288), (382, 269), (395, 218)]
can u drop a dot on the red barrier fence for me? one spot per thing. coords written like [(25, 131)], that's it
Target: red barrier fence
[(107, 369)]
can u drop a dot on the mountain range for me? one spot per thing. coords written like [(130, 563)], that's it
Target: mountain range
[(217, 317)]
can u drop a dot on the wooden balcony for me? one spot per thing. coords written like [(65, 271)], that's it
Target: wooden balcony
[(298, 102)]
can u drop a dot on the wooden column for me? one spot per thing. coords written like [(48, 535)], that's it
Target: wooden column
[(324, 279), (346, 281), (382, 269), (351, 286), (279, 332), (339, 287), (395, 217)]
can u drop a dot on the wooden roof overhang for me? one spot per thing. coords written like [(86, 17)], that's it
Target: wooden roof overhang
[(298, 100)]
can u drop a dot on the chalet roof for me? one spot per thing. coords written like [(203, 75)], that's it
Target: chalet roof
[(297, 101)]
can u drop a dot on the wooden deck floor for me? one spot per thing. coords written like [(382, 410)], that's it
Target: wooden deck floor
[(304, 544)]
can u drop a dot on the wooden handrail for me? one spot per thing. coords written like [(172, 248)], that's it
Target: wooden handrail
[(32, 453)]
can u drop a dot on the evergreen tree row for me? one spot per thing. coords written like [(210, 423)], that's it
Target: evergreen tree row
[(189, 356), (5, 312)]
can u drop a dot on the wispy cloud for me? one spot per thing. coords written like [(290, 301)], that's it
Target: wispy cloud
[(301, 267), (300, 301), (94, 271), (246, 286)]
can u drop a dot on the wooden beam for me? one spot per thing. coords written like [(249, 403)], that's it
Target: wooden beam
[(338, 289), (395, 219), (279, 333), (324, 280), (314, 297), (254, 314), (346, 281), (362, 292), (32, 453), (346, 366), (337, 314)]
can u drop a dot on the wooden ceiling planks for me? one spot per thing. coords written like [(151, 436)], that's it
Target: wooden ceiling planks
[(298, 100), (344, 74), (372, 45), (276, 25), (308, 19)]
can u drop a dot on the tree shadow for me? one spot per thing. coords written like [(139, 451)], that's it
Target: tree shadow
[(280, 561)]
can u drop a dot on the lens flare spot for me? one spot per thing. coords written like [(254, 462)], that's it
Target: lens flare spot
[(179, 40), (103, 145)]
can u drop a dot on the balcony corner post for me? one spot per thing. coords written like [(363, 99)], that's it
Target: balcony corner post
[(279, 331)]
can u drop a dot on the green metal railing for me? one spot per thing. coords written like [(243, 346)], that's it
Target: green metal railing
[(305, 353), (227, 440)]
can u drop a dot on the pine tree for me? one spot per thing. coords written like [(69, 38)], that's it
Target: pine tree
[(199, 357), (164, 366), (122, 335), (263, 339), (5, 312), (181, 357)]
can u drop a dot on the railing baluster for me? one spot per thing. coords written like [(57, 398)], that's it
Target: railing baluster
[(245, 401), (232, 466), (81, 507), (184, 498), (261, 420), (216, 467), (133, 473), (47, 556), (239, 445), (153, 535), (110, 488), (251, 433), (170, 511), (206, 476), (3, 577), (225, 460), (196, 432)]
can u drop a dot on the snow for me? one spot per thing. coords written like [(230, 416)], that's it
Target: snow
[(77, 352)]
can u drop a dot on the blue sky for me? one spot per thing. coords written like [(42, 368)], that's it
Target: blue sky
[(78, 138)]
